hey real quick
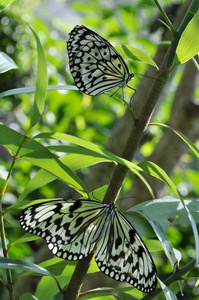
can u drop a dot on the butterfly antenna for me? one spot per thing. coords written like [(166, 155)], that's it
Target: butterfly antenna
[(148, 76)]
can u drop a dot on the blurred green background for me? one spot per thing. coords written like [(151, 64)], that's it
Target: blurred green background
[(121, 22)]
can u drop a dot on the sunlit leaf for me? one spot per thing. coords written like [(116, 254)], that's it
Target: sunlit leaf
[(128, 52), (169, 295), (4, 3), (32, 89), (154, 170), (41, 82), (10, 263), (6, 63), (169, 251), (166, 211), (188, 45), (38, 155)]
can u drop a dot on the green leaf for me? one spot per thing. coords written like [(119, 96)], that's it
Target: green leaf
[(95, 151), (25, 238), (43, 177), (32, 89), (120, 293), (58, 266), (48, 288), (10, 263), (4, 3), (128, 52), (36, 154), (169, 251), (165, 211), (156, 171), (169, 295), (6, 63), (41, 83), (182, 136), (28, 296), (188, 45)]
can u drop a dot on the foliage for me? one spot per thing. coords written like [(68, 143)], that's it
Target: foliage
[(39, 160)]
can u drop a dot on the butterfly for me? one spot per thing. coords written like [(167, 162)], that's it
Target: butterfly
[(72, 228), (94, 63)]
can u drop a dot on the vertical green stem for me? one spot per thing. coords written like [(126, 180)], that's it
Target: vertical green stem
[(4, 246), (165, 17), (2, 229)]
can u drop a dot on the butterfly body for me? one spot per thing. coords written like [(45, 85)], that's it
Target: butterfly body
[(94, 63), (72, 228)]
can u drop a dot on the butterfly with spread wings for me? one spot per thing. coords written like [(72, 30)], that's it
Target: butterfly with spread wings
[(72, 228), (94, 63)]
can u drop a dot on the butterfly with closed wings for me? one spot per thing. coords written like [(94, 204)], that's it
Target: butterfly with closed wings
[(72, 228), (94, 63)]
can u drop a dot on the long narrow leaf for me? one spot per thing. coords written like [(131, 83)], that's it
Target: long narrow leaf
[(43, 177), (182, 136), (10, 263), (96, 152), (41, 83), (32, 89), (169, 295), (36, 154), (154, 170), (169, 251)]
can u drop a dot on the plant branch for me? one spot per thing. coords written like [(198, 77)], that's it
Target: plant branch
[(121, 171), (137, 133), (129, 151), (170, 25), (2, 229), (76, 281)]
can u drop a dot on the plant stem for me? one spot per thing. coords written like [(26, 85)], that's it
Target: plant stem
[(133, 142), (120, 172), (170, 25), (76, 281), (2, 229), (137, 133)]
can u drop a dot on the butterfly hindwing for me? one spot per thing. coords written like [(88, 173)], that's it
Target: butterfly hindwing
[(94, 63), (72, 228), (122, 255)]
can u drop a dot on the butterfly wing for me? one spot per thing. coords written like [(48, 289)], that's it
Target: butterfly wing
[(94, 63), (122, 255), (70, 227)]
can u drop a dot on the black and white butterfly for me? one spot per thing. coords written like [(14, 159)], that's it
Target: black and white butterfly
[(72, 228), (94, 63)]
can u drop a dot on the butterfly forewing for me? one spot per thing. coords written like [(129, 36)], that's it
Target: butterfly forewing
[(72, 228), (94, 63)]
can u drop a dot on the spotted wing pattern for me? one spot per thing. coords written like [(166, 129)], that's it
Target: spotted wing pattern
[(72, 228), (94, 63), (122, 255)]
